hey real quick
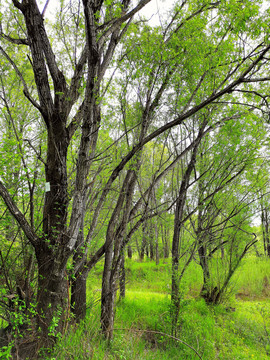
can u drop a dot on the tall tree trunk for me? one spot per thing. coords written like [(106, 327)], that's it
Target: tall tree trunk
[(151, 242), (157, 246), (165, 241), (175, 297), (144, 241), (122, 277), (51, 253), (78, 281), (167, 249)]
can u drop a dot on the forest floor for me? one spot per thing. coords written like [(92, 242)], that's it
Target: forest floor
[(237, 329)]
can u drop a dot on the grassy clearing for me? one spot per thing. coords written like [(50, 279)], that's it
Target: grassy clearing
[(238, 330)]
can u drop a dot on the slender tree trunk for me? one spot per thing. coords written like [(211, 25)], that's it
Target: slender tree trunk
[(151, 242), (175, 297), (178, 217), (267, 235), (122, 277), (144, 241), (111, 266), (113, 252), (206, 291), (265, 231), (222, 251), (166, 244), (78, 282), (157, 246), (129, 251)]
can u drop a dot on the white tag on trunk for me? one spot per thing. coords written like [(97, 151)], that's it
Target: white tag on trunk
[(47, 187)]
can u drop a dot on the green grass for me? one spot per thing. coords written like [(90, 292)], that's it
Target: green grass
[(238, 330), (140, 325), (252, 279)]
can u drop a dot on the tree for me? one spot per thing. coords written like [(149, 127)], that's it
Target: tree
[(182, 69), (222, 223), (56, 101)]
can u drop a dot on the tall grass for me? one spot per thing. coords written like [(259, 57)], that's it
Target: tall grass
[(252, 279), (142, 322)]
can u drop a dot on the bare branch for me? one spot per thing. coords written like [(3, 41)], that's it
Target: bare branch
[(40, 47), (205, 7), (256, 80), (116, 22), (76, 120), (18, 215), (45, 8), (73, 93), (25, 88), (18, 5), (13, 40)]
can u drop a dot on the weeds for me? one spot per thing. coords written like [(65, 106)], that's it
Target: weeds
[(239, 330)]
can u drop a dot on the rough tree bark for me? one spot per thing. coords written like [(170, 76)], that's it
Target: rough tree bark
[(122, 277)]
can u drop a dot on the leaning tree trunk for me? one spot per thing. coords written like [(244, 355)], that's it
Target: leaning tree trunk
[(108, 278), (178, 223), (113, 252), (175, 297)]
